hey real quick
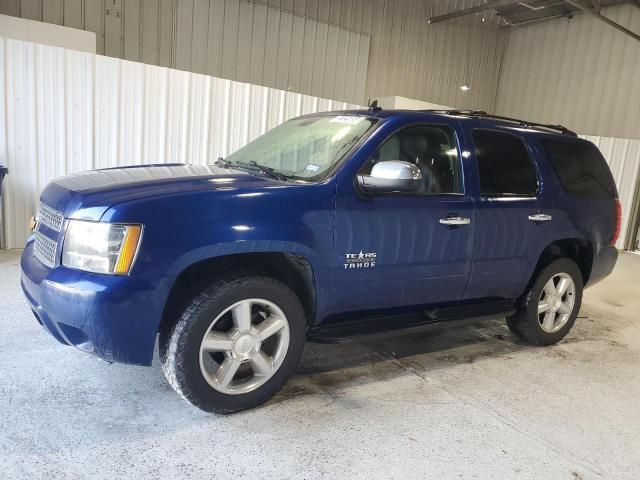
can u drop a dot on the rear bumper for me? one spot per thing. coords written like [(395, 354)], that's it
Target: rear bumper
[(603, 264), (113, 317)]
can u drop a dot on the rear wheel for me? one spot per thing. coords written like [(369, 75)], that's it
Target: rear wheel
[(549, 309), (235, 345)]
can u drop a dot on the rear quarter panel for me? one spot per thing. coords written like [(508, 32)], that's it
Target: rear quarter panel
[(590, 219)]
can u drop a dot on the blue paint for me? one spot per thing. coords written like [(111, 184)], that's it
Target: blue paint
[(193, 213)]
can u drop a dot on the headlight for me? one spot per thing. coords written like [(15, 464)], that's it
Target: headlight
[(100, 247)]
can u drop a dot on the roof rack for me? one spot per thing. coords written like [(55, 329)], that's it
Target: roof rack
[(522, 123)]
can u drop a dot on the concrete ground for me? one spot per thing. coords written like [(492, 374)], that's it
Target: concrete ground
[(470, 402)]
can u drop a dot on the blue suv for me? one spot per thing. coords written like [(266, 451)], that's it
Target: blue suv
[(330, 227)]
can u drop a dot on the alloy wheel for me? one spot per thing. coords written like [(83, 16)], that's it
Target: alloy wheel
[(244, 346), (556, 302)]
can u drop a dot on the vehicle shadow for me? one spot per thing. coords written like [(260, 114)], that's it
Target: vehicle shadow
[(329, 368)]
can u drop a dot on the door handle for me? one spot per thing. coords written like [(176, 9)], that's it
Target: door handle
[(540, 217), (455, 221)]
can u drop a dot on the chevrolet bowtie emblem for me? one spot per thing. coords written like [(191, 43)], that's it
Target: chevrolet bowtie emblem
[(33, 223)]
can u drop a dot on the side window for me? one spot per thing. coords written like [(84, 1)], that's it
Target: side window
[(432, 148), (581, 168), (504, 165)]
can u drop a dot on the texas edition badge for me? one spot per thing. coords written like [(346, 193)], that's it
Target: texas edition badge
[(360, 260)]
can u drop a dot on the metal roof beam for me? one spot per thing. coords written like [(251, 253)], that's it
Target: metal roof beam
[(471, 10), (505, 11), (536, 20), (601, 17)]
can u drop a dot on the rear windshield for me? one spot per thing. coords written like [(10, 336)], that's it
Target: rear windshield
[(581, 168)]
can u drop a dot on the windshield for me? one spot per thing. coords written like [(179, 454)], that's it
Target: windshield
[(302, 148)]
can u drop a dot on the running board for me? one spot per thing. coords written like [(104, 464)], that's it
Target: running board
[(373, 328)]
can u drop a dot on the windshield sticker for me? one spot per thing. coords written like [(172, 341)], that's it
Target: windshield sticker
[(312, 168), (359, 260), (347, 119)]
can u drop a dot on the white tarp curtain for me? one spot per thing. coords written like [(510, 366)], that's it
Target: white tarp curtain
[(65, 111)]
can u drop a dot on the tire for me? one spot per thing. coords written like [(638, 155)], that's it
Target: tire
[(193, 367), (543, 329)]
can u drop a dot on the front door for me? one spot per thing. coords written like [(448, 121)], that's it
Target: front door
[(399, 249)]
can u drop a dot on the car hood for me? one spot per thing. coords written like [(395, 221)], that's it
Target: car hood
[(88, 195)]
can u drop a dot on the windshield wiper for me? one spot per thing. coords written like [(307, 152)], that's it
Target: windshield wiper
[(255, 166)]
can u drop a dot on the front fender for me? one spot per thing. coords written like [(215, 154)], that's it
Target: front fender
[(182, 230), (217, 250)]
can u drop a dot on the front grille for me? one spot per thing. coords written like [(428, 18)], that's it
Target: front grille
[(50, 217), (44, 249)]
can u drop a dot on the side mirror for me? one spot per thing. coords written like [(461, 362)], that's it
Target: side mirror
[(391, 176)]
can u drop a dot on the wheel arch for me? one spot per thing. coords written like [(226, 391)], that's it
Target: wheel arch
[(580, 250), (292, 269)]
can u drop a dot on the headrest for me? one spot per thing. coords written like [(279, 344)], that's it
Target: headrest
[(415, 145)]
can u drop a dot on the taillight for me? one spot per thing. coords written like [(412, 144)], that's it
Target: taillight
[(616, 232)]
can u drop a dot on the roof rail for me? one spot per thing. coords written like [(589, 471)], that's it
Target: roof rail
[(522, 123), (459, 112)]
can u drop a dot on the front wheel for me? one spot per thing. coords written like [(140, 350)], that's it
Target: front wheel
[(235, 345), (549, 309)]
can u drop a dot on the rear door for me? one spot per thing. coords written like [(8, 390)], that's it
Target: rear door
[(511, 214)]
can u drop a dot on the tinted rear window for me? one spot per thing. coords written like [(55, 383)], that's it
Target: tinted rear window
[(581, 168), (504, 165)]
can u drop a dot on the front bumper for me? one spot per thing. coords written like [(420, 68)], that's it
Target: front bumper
[(113, 317)]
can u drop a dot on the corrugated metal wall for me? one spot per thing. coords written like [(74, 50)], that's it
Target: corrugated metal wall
[(303, 45), (581, 73), (234, 39), (623, 157), (585, 75), (413, 59), (65, 111)]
